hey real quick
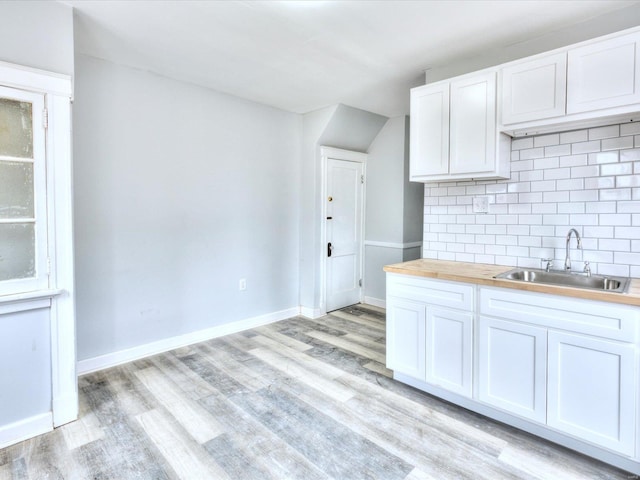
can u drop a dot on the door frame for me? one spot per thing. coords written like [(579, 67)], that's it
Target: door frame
[(327, 153)]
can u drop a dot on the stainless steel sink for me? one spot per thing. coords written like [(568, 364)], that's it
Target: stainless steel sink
[(575, 280)]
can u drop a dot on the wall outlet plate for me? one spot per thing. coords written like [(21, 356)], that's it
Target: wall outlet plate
[(480, 204)]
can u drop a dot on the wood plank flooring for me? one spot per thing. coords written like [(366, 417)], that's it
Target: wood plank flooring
[(298, 399)]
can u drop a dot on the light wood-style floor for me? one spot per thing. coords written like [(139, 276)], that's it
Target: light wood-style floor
[(299, 399)]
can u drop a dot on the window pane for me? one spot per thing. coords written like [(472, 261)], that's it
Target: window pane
[(16, 128), (16, 190), (17, 251)]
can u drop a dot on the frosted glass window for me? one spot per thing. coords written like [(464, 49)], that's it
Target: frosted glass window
[(17, 251), (16, 128), (16, 190)]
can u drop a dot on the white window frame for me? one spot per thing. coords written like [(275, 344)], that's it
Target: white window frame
[(40, 280)]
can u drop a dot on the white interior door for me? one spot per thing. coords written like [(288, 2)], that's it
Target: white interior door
[(344, 205)]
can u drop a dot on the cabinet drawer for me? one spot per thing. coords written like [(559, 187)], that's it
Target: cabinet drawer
[(432, 292), (618, 322)]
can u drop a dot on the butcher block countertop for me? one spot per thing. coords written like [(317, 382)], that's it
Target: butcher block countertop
[(483, 274)]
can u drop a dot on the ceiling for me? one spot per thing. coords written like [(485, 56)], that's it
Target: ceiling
[(303, 55)]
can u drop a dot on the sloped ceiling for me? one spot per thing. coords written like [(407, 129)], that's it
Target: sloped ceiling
[(303, 55)]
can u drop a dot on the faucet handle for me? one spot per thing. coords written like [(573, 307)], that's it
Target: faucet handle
[(546, 263), (587, 269)]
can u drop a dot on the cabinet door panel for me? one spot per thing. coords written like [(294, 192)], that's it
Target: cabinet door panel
[(429, 130), (449, 350), (592, 390), (473, 124), (534, 90), (513, 367), (604, 74), (406, 327)]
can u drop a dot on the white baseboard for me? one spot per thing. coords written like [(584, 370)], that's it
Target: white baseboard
[(123, 356), (376, 302), (25, 429), (311, 313)]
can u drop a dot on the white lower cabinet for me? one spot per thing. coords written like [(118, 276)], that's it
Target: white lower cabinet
[(449, 349), (513, 367), (406, 337), (592, 390), (564, 368)]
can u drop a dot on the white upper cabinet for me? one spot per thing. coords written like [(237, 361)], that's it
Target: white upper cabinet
[(534, 89), (429, 130), (473, 125), (453, 131), (604, 74)]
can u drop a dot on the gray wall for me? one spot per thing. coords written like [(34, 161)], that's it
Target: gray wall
[(394, 206), (179, 192), (340, 127), (37, 34)]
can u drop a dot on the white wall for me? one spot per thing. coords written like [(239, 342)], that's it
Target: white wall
[(179, 192), (37, 34), (594, 27)]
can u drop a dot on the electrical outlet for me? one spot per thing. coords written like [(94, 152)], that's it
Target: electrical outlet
[(242, 284), (480, 204)]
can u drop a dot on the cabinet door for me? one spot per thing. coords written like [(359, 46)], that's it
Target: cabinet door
[(512, 367), (604, 74), (592, 390), (449, 349), (535, 89), (406, 326), (473, 124), (429, 130)]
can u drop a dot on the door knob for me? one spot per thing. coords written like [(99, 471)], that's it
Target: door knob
[(329, 249)]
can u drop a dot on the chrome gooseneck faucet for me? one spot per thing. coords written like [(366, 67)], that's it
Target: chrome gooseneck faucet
[(567, 260)]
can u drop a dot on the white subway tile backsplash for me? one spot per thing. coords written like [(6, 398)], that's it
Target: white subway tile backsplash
[(575, 136), (632, 128), (543, 186), (614, 245), (599, 182), (522, 143), (535, 197), (587, 179), (629, 207), (603, 157), (588, 171), (617, 143), (601, 207), (557, 150), (603, 132), (557, 174), (585, 147), (630, 155), (628, 181), (544, 208), (571, 207), (531, 153), (625, 168), (608, 269), (574, 160), (584, 195), (585, 219), (615, 194), (546, 140)]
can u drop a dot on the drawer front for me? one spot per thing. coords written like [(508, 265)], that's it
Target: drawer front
[(618, 322), (432, 292)]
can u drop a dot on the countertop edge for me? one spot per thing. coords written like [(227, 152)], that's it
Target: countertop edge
[(482, 274)]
